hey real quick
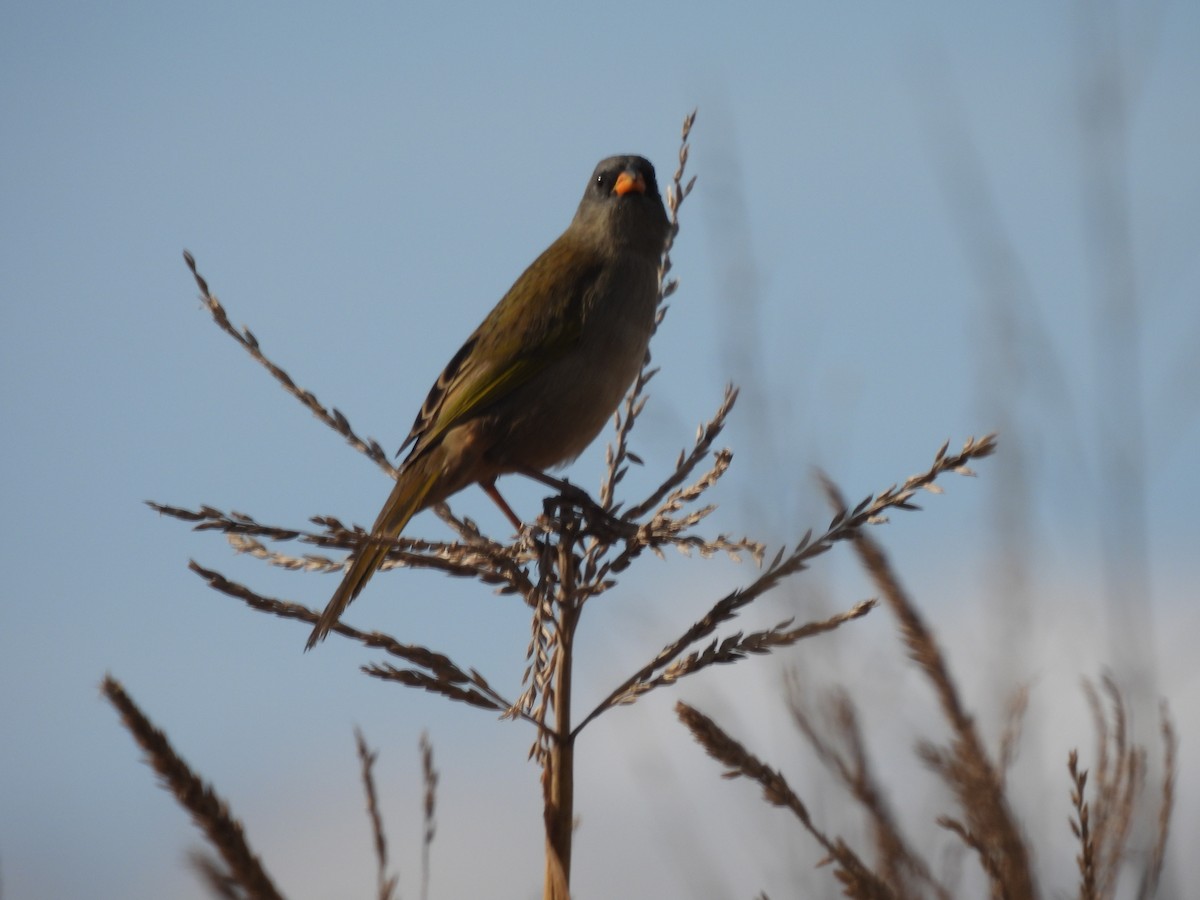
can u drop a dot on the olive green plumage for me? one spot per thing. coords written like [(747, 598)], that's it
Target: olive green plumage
[(537, 380)]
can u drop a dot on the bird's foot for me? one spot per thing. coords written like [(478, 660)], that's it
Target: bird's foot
[(593, 519)]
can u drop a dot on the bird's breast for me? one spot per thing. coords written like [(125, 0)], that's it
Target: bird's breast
[(559, 412)]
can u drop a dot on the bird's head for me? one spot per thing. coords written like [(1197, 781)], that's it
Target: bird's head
[(622, 206)]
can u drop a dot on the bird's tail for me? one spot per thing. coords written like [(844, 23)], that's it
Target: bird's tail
[(407, 499)]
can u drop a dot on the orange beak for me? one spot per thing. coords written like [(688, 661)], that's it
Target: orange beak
[(629, 181)]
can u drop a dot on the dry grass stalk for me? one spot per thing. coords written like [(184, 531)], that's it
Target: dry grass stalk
[(739, 646), (209, 812), (475, 557), (1118, 777), (386, 884), (1101, 821), (843, 752), (1081, 828), (331, 417), (857, 880), (1149, 881), (436, 673), (970, 773), (1104, 823), (429, 777)]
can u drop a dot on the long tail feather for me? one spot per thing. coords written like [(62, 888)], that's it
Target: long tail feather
[(406, 500)]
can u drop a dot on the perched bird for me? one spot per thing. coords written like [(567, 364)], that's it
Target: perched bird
[(536, 381)]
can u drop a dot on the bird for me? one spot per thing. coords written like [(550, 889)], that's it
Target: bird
[(535, 383)]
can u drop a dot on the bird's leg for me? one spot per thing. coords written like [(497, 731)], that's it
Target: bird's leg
[(576, 495), (489, 488)]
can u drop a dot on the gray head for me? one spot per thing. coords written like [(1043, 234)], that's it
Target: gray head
[(622, 206)]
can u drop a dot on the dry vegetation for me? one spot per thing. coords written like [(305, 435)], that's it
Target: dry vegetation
[(984, 821), (571, 556)]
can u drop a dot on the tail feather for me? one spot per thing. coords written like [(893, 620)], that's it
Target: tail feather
[(406, 500)]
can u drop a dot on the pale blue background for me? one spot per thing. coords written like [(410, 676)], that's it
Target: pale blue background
[(360, 183)]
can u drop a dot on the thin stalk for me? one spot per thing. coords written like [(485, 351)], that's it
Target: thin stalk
[(559, 774)]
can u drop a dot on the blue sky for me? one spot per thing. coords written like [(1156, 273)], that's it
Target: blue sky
[(359, 185)]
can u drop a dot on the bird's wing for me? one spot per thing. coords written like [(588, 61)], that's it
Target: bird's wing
[(536, 322)]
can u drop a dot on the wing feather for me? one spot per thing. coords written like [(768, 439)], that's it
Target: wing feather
[(535, 323)]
